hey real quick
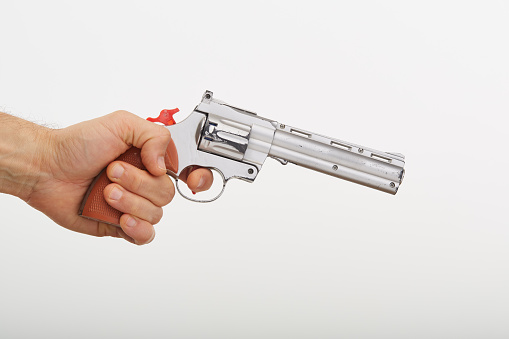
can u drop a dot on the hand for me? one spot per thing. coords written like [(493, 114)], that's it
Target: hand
[(73, 156)]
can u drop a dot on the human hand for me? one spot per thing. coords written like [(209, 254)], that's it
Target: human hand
[(73, 156)]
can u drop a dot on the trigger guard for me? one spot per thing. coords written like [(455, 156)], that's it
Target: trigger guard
[(202, 201)]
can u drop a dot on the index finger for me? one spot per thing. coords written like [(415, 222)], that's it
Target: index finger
[(198, 179)]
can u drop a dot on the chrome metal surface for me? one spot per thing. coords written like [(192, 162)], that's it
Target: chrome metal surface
[(376, 169), (224, 138), (187, 135), (235, 142)]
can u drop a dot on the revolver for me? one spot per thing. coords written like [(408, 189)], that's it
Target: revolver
[(235, 142)]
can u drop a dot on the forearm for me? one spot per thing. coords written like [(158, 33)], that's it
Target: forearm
[(22, 151)]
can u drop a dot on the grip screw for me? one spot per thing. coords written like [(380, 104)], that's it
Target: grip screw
[(335, 167), (250, 171), (392, 184)]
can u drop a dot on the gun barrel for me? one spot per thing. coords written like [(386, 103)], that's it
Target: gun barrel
[(379, 170)]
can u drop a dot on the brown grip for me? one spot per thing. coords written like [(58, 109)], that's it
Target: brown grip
[(95, 207)]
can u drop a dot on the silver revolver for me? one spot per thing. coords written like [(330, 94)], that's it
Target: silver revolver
[(235, 143)]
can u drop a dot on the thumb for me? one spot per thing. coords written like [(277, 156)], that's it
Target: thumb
[(151, 138)]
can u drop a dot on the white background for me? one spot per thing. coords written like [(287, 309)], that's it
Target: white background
[(296, 254)]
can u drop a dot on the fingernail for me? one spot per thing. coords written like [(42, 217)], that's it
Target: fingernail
[(161, 164), (131, 222), (201, 183), (117, 171), (115, 194)]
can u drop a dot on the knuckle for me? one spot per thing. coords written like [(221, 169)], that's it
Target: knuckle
[(167, 192), (137, 183), (146, 239), (156, 216), (121, 113), (130, 204), (167, 198), (135, 207), (104, 230), (164, 132)]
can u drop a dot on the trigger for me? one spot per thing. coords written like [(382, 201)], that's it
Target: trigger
[(165, 117)]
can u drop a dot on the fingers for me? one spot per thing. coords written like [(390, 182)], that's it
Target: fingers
[(140, 196), (132, 229), (106, 230), (199, 179), (139, 214), (159, 190), (127, 202)]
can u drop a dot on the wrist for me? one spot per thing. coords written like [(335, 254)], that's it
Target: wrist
[(24, 150)]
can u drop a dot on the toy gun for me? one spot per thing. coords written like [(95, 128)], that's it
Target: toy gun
[(235, 143)]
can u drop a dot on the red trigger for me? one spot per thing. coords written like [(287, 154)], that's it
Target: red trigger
[(165, 117)]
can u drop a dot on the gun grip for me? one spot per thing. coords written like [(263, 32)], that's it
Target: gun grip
[(95, 207)]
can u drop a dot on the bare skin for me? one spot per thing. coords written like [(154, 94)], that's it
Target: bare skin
[(52, 169)]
